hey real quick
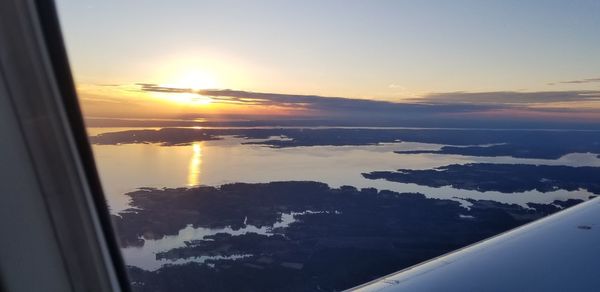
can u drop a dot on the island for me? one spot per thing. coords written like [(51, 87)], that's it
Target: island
[(339, 238), (543, 144), (505, 178)]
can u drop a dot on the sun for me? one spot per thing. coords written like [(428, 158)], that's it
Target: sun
[(195, 80)]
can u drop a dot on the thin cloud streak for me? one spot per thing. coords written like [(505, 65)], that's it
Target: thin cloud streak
[(580, 81), (513, 97)]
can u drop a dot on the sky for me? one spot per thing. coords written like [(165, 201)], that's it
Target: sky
[(301, 58)]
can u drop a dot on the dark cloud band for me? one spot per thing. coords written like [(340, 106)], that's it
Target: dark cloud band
[(436, 105)]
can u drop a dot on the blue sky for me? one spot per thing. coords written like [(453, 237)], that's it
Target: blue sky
[(387, 50)]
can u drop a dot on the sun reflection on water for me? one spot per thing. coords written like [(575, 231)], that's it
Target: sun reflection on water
[(193, 178)]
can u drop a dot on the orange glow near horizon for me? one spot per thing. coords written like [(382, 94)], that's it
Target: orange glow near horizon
[(189, 99), (128, 101), (101, 99)]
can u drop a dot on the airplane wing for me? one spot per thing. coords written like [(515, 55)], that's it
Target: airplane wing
[(558, 253)]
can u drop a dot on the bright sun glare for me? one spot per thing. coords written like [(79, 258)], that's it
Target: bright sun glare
[(192, 79), (195, 79)]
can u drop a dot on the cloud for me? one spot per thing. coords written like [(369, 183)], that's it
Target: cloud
[(323, 104), (158, 88), (512, 97), (449, 106), (453, 101), (580, 81)]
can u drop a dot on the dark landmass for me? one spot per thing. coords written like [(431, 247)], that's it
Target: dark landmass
[(506, 178), (515, 143), (358, 235), (164, 136), (370, 121), (520, 149)]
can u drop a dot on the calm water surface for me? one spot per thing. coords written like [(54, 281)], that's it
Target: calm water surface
[(125, 168)]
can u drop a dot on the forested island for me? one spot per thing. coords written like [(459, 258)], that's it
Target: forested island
[(341, 237), (506, 178)]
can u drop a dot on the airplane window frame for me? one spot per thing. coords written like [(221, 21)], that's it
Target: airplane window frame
[(53, 37), (38, 84)]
